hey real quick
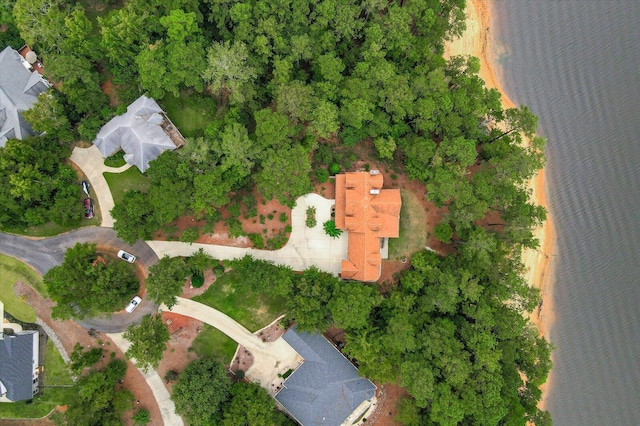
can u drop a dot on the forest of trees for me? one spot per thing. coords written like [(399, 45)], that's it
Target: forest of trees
[(294, 78)]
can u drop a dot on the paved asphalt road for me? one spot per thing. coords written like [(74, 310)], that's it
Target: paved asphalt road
[(44, 254)]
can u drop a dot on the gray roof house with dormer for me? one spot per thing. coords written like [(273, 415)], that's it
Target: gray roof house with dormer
[(19, 354), (19, 90), (139, 133), (326, 389)]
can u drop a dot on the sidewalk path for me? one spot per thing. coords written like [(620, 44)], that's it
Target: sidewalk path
[(306, 246), (160, 392), (270, 358), (91, 163)]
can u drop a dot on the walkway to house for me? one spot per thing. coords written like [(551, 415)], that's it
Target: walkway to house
[(153, 379), (270, 358), (92, 165), (306, 246)]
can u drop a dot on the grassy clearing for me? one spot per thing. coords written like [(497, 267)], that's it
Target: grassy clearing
[(129, 180), (12, 270), (116, 160), (413, 230), (56, 372), (40, 405), (230, 295), (214, 344), (51, 229), (190, 112)]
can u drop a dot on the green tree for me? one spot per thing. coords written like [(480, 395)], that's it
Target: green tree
[(351, 304), (148, 341), (47, 115), (202, 389), (331, 230), (385, 147), (41, 23), (87, 285), (308, 303), (251, 405), (166, 279), (285, 174), (96, 399), (229, 73)]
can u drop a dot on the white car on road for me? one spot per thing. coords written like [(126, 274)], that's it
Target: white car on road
[(126, 256), (133, 304)]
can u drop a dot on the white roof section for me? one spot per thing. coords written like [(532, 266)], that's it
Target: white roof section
[(138, 132), (19, 90)]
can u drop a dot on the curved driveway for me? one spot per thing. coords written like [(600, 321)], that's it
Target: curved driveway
[(91, 163), (269, 358), (44, 254), (306, 246)]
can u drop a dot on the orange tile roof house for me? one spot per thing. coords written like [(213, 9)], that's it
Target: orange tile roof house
[(370, 215)]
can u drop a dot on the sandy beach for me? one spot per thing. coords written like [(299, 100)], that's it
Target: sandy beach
[(539, 263)]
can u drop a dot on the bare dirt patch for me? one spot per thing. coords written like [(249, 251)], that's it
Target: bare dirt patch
[(182, 331), (243, 358), (266, 223), (388, 396)]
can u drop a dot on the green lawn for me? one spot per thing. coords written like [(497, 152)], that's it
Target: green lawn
[(214, 344), (229, 294), (51, 229), (190, 112), (56, 374), (12, 270), (116, 160), (129, 180), (413, 229)]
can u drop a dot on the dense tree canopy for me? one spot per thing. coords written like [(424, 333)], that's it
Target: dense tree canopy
[(87, 284), (202, 388), (166, 279), (148, 341), (291, 78), (36, 186)]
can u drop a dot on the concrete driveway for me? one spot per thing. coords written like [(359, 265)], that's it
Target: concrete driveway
[(153, 379), (44, 254), (269, 358), (91, 163), (306, 246)]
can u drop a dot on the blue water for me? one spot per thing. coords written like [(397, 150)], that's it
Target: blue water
[(576, 63)]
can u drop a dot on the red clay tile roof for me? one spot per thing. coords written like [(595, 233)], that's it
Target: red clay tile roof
[(368, 213)]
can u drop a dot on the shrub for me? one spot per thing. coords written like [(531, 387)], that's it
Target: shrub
[(283, 217), (197, 279), (262, 219), (218, 270), (288, 229), (323, 155), (331, 230), (322, 174), (443, 232), (334, 168), (252, 212), (213, 217), (270, 216), (142, 417), (239, 374), (311, 217), (190, 235), (235, 228), (278, 241), (171, 376), (234, 209), (249, 201), (256, 240)]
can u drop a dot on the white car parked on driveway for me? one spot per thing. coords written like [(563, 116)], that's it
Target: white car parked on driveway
[(126, 256), (133, 304)]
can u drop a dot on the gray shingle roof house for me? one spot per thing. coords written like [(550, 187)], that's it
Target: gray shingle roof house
[(326, 389), (19, 90), (140, 133), (19, 354)]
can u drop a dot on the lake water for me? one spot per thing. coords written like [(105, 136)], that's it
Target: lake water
[(576, 63)]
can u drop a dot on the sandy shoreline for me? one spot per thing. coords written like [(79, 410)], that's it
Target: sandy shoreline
[(538, 263)]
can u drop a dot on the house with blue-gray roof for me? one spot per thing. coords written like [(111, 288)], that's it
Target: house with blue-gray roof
[(326, 388), (19, 370), (20, 86)]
